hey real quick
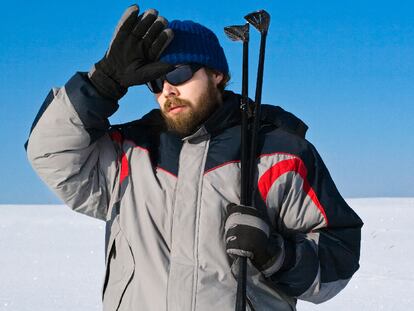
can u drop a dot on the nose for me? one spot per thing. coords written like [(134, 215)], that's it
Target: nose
[(169, 89)]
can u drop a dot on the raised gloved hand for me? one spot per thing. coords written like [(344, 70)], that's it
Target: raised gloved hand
[(248, 235), (131, 58)]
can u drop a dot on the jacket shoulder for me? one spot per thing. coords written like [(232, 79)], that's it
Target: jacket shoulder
[(280, 141), (277, 117), (283, 132)]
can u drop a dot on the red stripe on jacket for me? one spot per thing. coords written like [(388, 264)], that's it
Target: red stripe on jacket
[(124, 168), (116, 136), (290, 165)]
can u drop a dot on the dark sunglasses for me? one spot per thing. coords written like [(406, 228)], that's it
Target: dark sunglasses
[(179, 75)]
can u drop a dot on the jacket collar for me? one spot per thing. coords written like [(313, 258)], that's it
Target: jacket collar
[(227, 115)]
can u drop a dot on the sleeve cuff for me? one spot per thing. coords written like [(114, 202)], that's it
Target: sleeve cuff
[(105, 85), (283, 260)]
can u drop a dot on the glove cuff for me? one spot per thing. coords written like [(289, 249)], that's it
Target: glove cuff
[(276, 262), (105, 85), (284, 259)]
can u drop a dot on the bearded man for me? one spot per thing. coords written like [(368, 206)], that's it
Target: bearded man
[(168, 184)]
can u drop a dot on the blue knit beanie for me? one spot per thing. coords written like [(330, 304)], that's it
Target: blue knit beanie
[(194, 43)]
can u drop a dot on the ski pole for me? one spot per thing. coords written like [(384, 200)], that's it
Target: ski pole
[(241, 33), (259, 20)]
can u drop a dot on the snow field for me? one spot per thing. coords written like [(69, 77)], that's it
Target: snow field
[(53, 259)]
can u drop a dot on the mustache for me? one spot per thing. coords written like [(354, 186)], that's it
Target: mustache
[(174, 101)]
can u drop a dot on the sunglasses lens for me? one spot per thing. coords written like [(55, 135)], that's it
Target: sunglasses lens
[(179, 75), (155, 86), (176, 77)]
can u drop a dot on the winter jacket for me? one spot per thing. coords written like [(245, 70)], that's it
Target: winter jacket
[(164, 202)]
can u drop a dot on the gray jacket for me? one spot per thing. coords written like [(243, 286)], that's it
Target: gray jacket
[(163, 199)]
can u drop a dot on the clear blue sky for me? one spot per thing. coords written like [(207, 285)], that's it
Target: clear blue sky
[(344, 67)]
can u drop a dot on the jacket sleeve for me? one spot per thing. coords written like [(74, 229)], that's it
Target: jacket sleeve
[(321, 232), (70, 149)]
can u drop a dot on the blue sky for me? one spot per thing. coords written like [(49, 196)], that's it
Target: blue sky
[(344, 67)]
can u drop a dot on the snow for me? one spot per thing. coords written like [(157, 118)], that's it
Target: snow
[(53, 259), (385, 280)]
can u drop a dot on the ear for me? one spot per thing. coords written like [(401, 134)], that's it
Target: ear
[(217, 77)]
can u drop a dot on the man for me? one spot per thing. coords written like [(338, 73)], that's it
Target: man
[(168, 185)]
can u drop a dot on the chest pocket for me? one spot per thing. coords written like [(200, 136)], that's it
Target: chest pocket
[(120, 268)]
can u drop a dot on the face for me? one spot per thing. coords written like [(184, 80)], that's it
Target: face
[(188, 105)]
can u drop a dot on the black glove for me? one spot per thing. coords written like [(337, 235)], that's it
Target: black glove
[(249, 235), (137, 43)]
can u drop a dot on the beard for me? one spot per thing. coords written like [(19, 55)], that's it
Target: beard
[(196, 114)]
